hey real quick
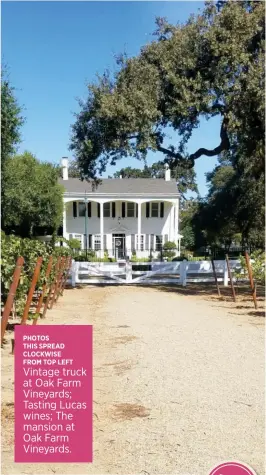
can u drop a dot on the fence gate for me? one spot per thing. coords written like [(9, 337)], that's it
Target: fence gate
[(150, 272)]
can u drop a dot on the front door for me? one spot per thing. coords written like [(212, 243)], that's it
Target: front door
[(119, 246)]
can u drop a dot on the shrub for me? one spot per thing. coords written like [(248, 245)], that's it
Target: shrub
[(257, 264), (134, 258), (169, 250), (74, 244)]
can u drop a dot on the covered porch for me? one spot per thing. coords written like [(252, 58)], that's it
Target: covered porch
[(122, 228)]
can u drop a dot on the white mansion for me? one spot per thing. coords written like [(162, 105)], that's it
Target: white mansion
[(122, 216)]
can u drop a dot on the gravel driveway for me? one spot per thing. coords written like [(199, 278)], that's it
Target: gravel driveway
[(178, 382)]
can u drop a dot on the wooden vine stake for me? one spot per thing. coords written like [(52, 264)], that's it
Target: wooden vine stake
[(230, 277), (11, 296), (68, 268), (67, 273), (62, 277), (252, 285), (31, 291), (50, 294), (58, 280), (44, 288), (215, 278)]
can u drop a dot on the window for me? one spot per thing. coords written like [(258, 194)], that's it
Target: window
[(141, 242), (97, 242), (89, 241), (82, 209), (107, 210), (130, 210), (158, 242), (147, 238), (154, 210)]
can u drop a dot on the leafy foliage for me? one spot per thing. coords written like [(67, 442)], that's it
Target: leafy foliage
[(234, 208), (257, 264), (74, 244), (32, 196), (30, 249), (183, 176), (213, 65), (11, 120), (11, 123), (169, 250)]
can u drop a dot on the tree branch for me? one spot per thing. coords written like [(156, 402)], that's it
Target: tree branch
[(190, 161)]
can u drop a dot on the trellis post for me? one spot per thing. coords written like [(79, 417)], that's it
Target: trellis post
[(252, 284), (31, 291), (215, 278), (40, 301), (51, 288), (11, 296)]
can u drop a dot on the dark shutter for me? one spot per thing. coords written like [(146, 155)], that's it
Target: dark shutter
[(162, 209), (74, 209), (123, 209), (104, 242), (146, 242), (147, 210), (98, 210), (90, 241), (132, 242), (113, 209), (89, 209), (137, 209)]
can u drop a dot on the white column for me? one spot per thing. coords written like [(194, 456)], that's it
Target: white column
[(177, 218), (64, 223), (170, 222), (139, 225), (101, 228), (172, 237)]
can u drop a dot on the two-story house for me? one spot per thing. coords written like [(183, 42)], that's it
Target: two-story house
[(121, 216)]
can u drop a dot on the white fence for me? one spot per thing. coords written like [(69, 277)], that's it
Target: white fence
[(151, 272)]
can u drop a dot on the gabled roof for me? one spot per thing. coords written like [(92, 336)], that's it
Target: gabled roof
[(127, 186)]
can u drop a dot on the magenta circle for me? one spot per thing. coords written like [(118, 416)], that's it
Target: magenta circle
[(232, 468)]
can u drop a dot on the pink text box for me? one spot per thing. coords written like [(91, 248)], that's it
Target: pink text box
[(53, 395)]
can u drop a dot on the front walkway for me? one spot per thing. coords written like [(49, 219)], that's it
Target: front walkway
[(178, 382)]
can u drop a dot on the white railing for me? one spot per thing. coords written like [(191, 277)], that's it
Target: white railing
[(151, 272)]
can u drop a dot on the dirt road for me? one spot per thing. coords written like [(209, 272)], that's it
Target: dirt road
[(178, 382)]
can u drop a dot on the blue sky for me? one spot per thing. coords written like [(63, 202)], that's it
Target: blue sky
[(53, 48)]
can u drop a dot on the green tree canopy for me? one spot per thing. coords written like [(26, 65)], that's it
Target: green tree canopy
[(186, 178), (234, 205), (11, 119), (213, 65), (33, 198)]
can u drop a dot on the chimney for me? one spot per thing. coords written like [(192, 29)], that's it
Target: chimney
[(64, 163), (167, 173)]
